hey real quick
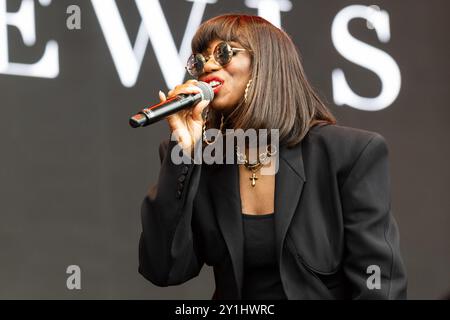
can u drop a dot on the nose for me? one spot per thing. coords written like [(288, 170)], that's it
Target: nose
[(211, 65)]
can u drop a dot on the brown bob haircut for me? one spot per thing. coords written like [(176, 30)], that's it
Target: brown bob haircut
[(279, 97)]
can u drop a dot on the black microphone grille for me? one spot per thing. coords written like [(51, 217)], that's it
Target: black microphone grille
[(207, 91)]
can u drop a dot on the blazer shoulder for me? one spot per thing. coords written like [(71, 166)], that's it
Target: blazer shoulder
[(343, 146), (343, 138)]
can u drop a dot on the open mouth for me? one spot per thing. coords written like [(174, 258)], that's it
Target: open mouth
[(215, 84)]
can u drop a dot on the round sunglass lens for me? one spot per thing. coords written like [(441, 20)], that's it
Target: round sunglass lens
[(223, 53), (195, 64)]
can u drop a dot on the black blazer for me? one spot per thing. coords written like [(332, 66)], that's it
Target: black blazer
[(332, 217)]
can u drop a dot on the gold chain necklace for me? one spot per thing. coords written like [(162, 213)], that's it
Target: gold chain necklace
[(263, 159)]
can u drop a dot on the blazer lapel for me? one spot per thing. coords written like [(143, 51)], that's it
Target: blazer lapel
[(289, 183), (224, 183)]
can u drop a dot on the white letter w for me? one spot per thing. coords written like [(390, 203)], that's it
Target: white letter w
[(128, 58)]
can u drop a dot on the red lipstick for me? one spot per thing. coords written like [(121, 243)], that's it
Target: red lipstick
[(215, 82)]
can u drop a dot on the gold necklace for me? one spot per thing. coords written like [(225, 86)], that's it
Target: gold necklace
[(263, 159)]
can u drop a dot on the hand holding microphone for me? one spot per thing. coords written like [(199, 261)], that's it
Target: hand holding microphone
[(184, 121)]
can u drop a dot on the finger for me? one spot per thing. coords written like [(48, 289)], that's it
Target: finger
[(184, 90), (193, 88), (174, 121), (192, 81), (189, 90), (198, 109)]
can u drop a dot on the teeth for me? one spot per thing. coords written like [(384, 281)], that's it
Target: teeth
[(215, 83)]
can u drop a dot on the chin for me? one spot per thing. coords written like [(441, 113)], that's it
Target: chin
[(221, 105), (218, 105), (221, 108)]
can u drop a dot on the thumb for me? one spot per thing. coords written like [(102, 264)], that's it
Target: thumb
[(162, 96)]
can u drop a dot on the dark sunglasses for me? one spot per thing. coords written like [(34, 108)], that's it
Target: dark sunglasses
[(223, 53)]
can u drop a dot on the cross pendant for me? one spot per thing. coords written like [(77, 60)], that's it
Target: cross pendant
[(253, 178)]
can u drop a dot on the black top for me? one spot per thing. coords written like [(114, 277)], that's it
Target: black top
[(261, 272)]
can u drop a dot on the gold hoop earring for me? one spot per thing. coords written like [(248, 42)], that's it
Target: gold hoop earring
[(221, 123), (205, 139), (246, 90)]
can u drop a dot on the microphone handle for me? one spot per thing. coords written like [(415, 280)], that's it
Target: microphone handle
[(159, 111)]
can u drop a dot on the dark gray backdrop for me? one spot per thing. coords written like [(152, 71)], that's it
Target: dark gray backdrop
[(73, 173)]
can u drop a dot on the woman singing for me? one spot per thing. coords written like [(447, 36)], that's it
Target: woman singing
[(318, 227)]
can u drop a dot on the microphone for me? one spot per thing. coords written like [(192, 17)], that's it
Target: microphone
[(161, 110)]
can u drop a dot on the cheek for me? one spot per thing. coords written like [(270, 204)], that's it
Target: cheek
[(238, 76), (240, 79), (237, 87), (240, 84), (239, 68)]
